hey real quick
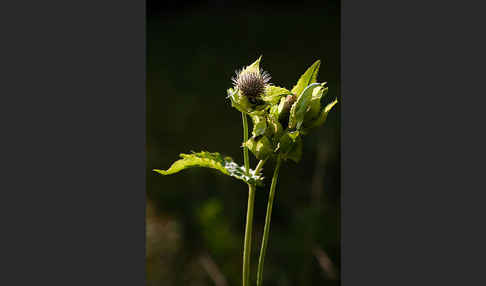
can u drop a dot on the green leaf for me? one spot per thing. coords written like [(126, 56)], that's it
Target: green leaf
[(295, 153), (274, 93), (239, 102), (309, 77), (322, 116), (280, 108), (315, 104), (234, 98), (299, 108), (285, 144), (261, 147), (287, 141), (242, 104), (274, 127), (294, 135), (273, 113), (225, 165), (259, 125)]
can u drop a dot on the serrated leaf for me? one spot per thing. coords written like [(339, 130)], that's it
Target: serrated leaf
[(323, 115), (274, 93), (309, 77), (299, 108), (225, 165)]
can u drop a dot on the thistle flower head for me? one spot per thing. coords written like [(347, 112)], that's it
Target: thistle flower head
[(251, 84)]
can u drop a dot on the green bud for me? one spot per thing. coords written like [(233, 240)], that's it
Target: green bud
[(260, 147)]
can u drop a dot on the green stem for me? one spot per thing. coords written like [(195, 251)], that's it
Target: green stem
[(260, 165), (251, 205), (249, 229), (248, 234), (268, 219), (245, 138), (249, 211)]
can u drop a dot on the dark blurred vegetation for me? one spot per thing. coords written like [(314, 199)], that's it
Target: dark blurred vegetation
[(195, 219)]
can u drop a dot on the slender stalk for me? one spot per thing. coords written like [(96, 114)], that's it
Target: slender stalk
[(260, 165), (245, 138), (249, 229), (249, 210), (268, 219), (248, 234), (251, 204)]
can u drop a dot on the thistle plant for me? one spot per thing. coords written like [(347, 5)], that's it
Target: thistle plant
[(281, 118)]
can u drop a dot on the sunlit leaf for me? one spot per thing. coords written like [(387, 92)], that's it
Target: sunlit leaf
[(280, 108), (322, 116), (309, 77), (274, 127), (299, 108), (242, 104), (259, 125), (239, 102), (315, 104), (261, 147), (254, 67), (225, 165), (274, 93)]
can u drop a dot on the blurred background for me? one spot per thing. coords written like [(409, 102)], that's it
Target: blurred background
[(195, 219)]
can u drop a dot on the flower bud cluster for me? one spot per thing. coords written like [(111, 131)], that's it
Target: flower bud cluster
[(280, 117)]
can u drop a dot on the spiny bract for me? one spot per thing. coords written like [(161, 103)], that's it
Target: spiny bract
[(251, 84)]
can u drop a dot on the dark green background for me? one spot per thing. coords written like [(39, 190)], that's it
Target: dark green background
[(192, 53)]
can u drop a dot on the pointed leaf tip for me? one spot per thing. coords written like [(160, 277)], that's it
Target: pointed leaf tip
[(323, 115), (254, 67), (309, 77)]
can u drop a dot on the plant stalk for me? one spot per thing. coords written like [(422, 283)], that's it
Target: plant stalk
[(245, 138), (251, 204), (268, 219), (248, 234), (249, 211)]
